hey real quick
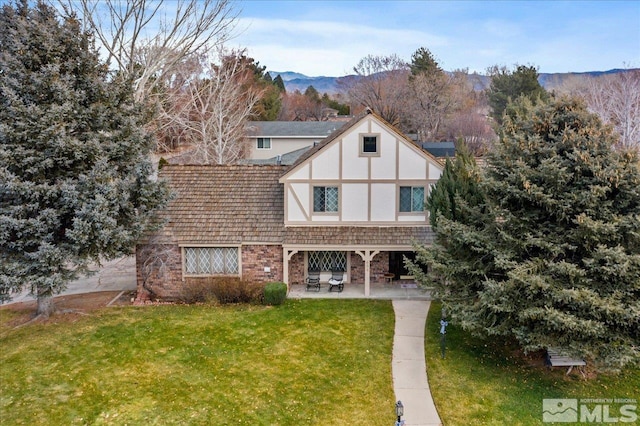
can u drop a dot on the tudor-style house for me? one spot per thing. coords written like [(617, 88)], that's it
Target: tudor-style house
[(355, 202)]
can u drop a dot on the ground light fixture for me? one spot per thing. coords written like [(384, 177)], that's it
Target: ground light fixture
[(399, 413)]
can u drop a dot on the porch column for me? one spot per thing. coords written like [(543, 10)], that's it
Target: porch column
[(367, 256), (287, 254)]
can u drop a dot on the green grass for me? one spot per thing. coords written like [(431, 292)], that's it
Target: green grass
[(490, 383), (310, 362)]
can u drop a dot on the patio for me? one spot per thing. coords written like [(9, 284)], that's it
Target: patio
[(395, 290)]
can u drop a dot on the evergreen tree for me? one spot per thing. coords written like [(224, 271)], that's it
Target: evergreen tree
[(74, 174), (343, 109), (506, 86), (423, 62), (279, 83), (269, 105), (312, 94), (459, 181), (553, 258)]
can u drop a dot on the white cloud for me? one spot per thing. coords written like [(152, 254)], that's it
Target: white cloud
[(556, 36), (326, 48)]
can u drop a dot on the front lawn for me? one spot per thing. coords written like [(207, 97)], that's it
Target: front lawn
[(491, 383), (307, 362)]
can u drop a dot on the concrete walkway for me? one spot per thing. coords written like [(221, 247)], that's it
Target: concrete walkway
[(408, 364)]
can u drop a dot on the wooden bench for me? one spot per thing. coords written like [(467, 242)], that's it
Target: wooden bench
[(555, 358)]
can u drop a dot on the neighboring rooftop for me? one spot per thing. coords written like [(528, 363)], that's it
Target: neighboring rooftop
[(301, 129), (440, 149), (285, 159)]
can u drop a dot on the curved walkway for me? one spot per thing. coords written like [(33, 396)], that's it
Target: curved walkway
[(408, 364)]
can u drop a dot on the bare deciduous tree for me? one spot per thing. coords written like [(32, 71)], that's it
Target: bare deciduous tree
[(147, 39), (155, 259), (473, 128), (211, 113), (616, 99), (382, 86), (467, 117)]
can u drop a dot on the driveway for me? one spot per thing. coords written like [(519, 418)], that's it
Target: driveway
[(116, 275)]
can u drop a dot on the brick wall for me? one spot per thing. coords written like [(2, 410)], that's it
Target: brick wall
[(296, 268), (255, 258), (379, 266), (169, 285), (165, 283)]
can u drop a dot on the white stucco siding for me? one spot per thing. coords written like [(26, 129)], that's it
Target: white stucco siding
[(435, 171), (384, 167), (302, 173), (353, 166), (326, 165), (294, 212), (383, 202), (355, 202), (279, 146), (412, 164), (301, 192), (324, 218), (412, 218)]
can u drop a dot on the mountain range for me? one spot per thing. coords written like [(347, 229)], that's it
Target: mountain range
[(295, 81)]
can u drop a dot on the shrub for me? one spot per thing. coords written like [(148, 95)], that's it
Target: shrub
[(275, 293), (196, 290), (222, 290), (162, 162)]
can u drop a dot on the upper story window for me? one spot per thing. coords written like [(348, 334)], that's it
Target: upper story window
[(412, 198), (369, 144), (264, 143), (211, 260), (325, 198)]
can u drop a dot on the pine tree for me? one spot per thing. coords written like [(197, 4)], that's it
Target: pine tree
[(507, 86), (458, 184), (553, 259), (279, 83), (74, 174)]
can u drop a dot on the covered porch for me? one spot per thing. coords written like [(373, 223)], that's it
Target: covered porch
[(367, 272), (371, 257), (403, 289)]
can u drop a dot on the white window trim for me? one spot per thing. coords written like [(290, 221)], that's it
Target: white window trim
[(263, 139), (414, 212), (313, 200), (361, 152), (196, 246)]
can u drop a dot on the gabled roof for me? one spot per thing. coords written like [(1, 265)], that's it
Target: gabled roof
[(344, 129), (301, 129), (226, 204)]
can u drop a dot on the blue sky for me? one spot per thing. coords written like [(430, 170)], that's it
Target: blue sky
[(330, 37)]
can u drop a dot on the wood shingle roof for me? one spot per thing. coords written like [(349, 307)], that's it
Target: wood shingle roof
[(358, 235), (224, 204)]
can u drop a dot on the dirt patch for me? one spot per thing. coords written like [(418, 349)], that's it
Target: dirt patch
[(68, 307)]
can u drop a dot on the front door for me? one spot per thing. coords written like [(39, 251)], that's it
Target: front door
[(396, 262)]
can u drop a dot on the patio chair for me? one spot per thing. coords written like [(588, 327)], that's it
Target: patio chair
[(337, 281), (313, 280)]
